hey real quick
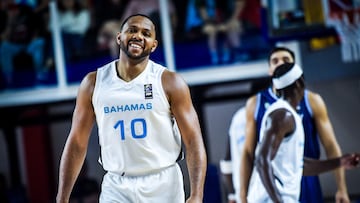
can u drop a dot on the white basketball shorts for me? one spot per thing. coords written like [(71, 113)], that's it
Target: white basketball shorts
[(164, 186)]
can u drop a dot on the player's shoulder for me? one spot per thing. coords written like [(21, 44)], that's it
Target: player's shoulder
[(315, 99), (173, 84), (312, 93), (87, 86), (251, 99), (280, 110), (89, 80), (251, 103), (172, 78)]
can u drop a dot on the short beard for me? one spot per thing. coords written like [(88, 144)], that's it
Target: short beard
[(144, 54)]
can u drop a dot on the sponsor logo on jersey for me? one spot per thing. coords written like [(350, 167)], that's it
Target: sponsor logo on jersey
[(148, 91)]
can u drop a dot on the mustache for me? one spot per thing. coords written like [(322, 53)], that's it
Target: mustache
[(137, 41)]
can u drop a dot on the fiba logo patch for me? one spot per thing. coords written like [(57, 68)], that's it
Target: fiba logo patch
[(148, 91)]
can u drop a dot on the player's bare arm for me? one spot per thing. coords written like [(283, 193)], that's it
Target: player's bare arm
[(279, 124), (324, 126), (315, 167), (247, 159), (77, 141), (328, 140), (182, 108)]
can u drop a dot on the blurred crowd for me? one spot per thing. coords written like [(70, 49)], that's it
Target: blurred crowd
[(88, 29)]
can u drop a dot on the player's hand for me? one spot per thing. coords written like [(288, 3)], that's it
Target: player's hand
[(342, 197), (350, 161)]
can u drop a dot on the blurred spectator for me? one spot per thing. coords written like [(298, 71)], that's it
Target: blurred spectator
[(22, 37), (151, 8), (41, 6), (221, 18), (181, 13), (30, 3), (108, 10), (106, 38), (226, 25), (3, 17), (3, 24), (253, 44), (74, 22), (107, 15)]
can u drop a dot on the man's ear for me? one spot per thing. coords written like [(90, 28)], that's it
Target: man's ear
[(118, 38), (155, 44)]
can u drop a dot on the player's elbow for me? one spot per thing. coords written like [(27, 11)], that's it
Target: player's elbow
[(248, 155), (332, 150), (261, 163)]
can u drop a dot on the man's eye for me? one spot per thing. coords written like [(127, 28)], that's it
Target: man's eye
[(132, 30), (147, 34)]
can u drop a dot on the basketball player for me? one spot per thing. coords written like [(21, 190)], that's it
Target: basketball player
[(279, 157), (229, 166), (136, 104), (317, 127)]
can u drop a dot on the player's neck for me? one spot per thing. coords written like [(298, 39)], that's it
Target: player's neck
[(128, 71)]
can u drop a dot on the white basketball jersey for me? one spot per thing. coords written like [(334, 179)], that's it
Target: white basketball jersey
[(237, 139), (287, 164), (135, 125)]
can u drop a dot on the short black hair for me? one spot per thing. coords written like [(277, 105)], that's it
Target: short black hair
[(277, 49), (134, 15)]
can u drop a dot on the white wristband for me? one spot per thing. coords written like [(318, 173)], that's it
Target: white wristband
[(231, 197), (226, 166)]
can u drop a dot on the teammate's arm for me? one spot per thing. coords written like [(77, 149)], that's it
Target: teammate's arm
[(314, 166), (181, 106), (247, 158), (76, 145), (279, 124), (329, 142)]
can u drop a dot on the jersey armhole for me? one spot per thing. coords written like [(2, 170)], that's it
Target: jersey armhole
[(307, 102), (257, 107)]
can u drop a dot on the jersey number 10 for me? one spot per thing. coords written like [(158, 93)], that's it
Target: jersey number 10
[(137, 125)]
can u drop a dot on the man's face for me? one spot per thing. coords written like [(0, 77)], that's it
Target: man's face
[(278, 58), (137, 38)]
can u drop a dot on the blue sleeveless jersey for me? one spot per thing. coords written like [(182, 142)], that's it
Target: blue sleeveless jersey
[(310, 185)]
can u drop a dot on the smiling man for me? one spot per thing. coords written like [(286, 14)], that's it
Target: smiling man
[(143, 113)]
